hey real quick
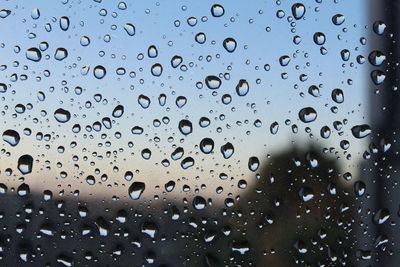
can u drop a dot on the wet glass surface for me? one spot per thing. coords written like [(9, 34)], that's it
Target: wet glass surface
[(199, 133)]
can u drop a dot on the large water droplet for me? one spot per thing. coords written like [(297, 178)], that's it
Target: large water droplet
[(307, 115), (217, 10), (338, 19), (62, 115), (156, 69), (130, 29), (361, 131), (185, 127), (207, 145), (60, 53), (306, 194), (12, 137), (99, 72), (319, 38), (64, 23), (33, 54), (144, 101), (242, 88), (213, 82), (25, 164), (227, 150), (118, 111), (298, 10), (199, 203), (136, 189), (337, 96), (253, 164), (229, 44), (376, 58)]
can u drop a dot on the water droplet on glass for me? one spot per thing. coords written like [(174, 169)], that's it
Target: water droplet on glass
[(176, 61), (62, 115), (185, 127), (33, 54), (130, 29), (25, 164), (213, 82), (99, 72), (253, 164), (144, 101), (338, 19), (376, 58), (379, 27), (319, 38), (187, 163), (118, 111), (307, 115), (12, 137), (298, 10), (229, 44), (35, 14), (207, 145), (199, 203), (359, 188), (325, 132), (242, 88), (156, 69), (361, 131), (64, 23), (306, 194), (227, 150), (337, 96), (378, 77), (136, 189), (217, 10), (60, 53)]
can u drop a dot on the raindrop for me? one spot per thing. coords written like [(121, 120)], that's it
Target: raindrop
[(229, 44), (307, 115), (62, 115), (242, 88), (144, 101), (60, 53), (136, 189), (376, 58), (156, 69), (361, 131), (227, 150), (12, 137), (298, 10), (337, 96), (187, 163), (253, 164), (207, 145), (274, 127), (359, 188), (130, 29), (325, 132), (185, 127), (199, 203), (64, 23), (118, 111), (176, 61), (378, 77), (306, 194), (314, 91), (213, 82), (99, 72), (35, 14), (379, 27), (25, 164), (319, 38), (217, 10), (33, 54), (338, 19)]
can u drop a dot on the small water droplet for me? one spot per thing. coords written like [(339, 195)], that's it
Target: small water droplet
[(307, 115)]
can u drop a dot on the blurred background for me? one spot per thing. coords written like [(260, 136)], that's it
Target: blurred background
[(205, 134)]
